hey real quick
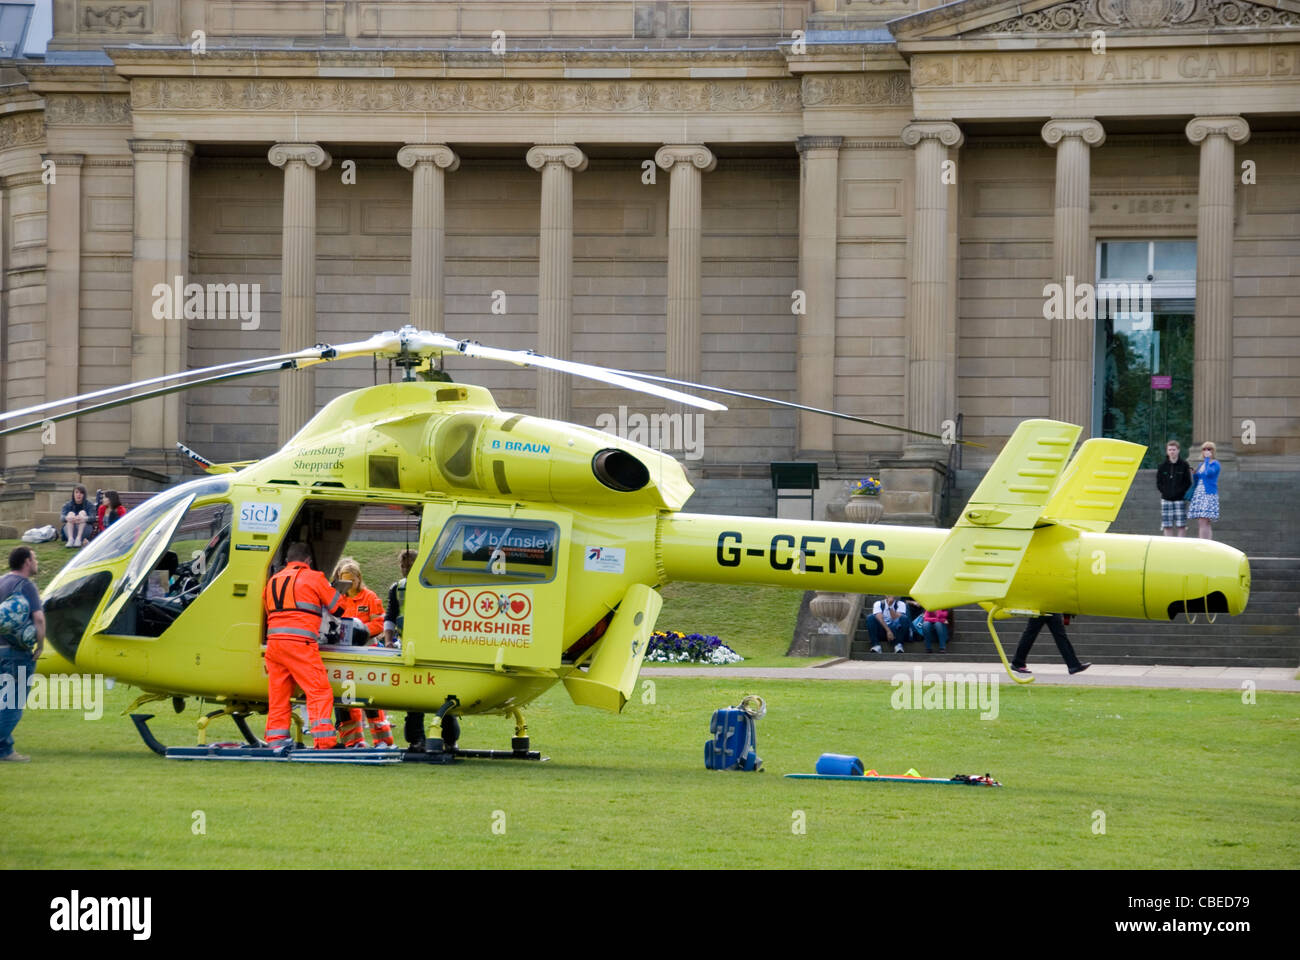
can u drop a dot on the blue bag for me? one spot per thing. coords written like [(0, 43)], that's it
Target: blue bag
[(16, 626), (734, 737)]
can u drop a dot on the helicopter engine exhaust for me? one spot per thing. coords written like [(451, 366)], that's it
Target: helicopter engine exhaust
[(619, 470)]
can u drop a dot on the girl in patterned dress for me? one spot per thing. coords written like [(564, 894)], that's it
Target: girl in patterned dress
[(1205, 497)]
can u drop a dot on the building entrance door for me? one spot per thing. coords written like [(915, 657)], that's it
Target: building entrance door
[(1145, 347), (1148, 379)]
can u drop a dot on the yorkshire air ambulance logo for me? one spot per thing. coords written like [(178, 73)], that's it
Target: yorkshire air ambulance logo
[(486, 617)]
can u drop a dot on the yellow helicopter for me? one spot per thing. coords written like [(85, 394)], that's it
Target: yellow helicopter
[(540, 545)]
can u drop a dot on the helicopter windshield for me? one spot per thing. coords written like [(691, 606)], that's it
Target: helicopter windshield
[(146, 555), (121, 537)]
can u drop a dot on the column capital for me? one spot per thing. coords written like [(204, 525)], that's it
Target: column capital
[(1087, 130), (1234, 128), (945, 131), (312, 154), (162, 146), (693, 153), (804, 144), (435, 153), (565, 153)]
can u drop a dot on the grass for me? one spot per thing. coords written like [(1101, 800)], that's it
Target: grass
[(757, 623), (1186, 779)]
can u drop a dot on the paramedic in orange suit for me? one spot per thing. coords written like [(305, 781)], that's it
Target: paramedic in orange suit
[(363, 605), (295, 599)]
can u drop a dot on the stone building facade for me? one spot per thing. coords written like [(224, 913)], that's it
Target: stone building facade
[(867, 205)]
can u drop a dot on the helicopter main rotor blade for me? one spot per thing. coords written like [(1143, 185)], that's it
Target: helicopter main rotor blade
[(158, 392), (312, 354), (795, 406), (603, 374)]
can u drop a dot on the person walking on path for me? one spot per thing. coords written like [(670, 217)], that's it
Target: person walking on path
[(1056, 623)]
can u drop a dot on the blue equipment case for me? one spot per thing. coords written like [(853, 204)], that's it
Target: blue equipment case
[(734, 738)]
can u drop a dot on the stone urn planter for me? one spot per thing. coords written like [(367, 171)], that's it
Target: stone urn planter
[(861, 509), (830, 609)]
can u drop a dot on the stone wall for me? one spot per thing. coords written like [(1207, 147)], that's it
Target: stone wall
[(620, 249)]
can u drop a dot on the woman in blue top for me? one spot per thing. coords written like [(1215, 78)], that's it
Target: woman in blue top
[(1205, 497)]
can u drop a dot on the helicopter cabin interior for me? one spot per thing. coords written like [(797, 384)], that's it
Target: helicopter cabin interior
[(326, 526)]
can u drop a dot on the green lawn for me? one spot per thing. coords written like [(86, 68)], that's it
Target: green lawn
[(756, 622), (1186, 779)]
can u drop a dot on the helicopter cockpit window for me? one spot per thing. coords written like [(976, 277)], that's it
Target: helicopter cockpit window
[(121, 537), (196, 552), (490, 550)]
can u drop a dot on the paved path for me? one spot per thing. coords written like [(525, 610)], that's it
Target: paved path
[(1099, 675)]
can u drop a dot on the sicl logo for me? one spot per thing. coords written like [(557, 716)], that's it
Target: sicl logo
[(260, 517)]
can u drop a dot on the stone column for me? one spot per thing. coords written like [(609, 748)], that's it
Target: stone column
[(557, 162), (1212, 380), (931, 327), (818, 246), (686, 163), (1070, 382), (160, 257), (298, 271), (428, 164), (63, 296)]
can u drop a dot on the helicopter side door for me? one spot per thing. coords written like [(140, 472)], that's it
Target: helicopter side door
[(489, 585)]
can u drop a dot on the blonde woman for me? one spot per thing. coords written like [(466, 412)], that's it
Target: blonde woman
[(362, 604), (1205, 495)]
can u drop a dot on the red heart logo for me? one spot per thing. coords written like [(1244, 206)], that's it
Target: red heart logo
[(516, 606)]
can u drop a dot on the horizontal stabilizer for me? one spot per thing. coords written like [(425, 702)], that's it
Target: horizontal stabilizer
[(971, 565), (1095, 483)]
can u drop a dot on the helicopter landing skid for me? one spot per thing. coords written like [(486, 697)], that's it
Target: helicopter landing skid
[(255, 750)]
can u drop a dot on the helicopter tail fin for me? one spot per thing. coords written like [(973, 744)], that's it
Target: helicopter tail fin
[(1094, 485), (611, 676), (980, 557)]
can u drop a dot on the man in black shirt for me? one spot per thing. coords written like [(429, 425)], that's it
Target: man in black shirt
[(17, 663), (1174, 479), (394, 619)]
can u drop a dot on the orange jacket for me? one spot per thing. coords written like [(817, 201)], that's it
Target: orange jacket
[(367, 608), (294, 600)]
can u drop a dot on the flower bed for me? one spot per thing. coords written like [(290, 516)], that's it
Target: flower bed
[(672, 646)]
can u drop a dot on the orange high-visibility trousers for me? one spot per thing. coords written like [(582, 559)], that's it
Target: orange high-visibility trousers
[(295, 661), (352, 730), (381, 731)]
